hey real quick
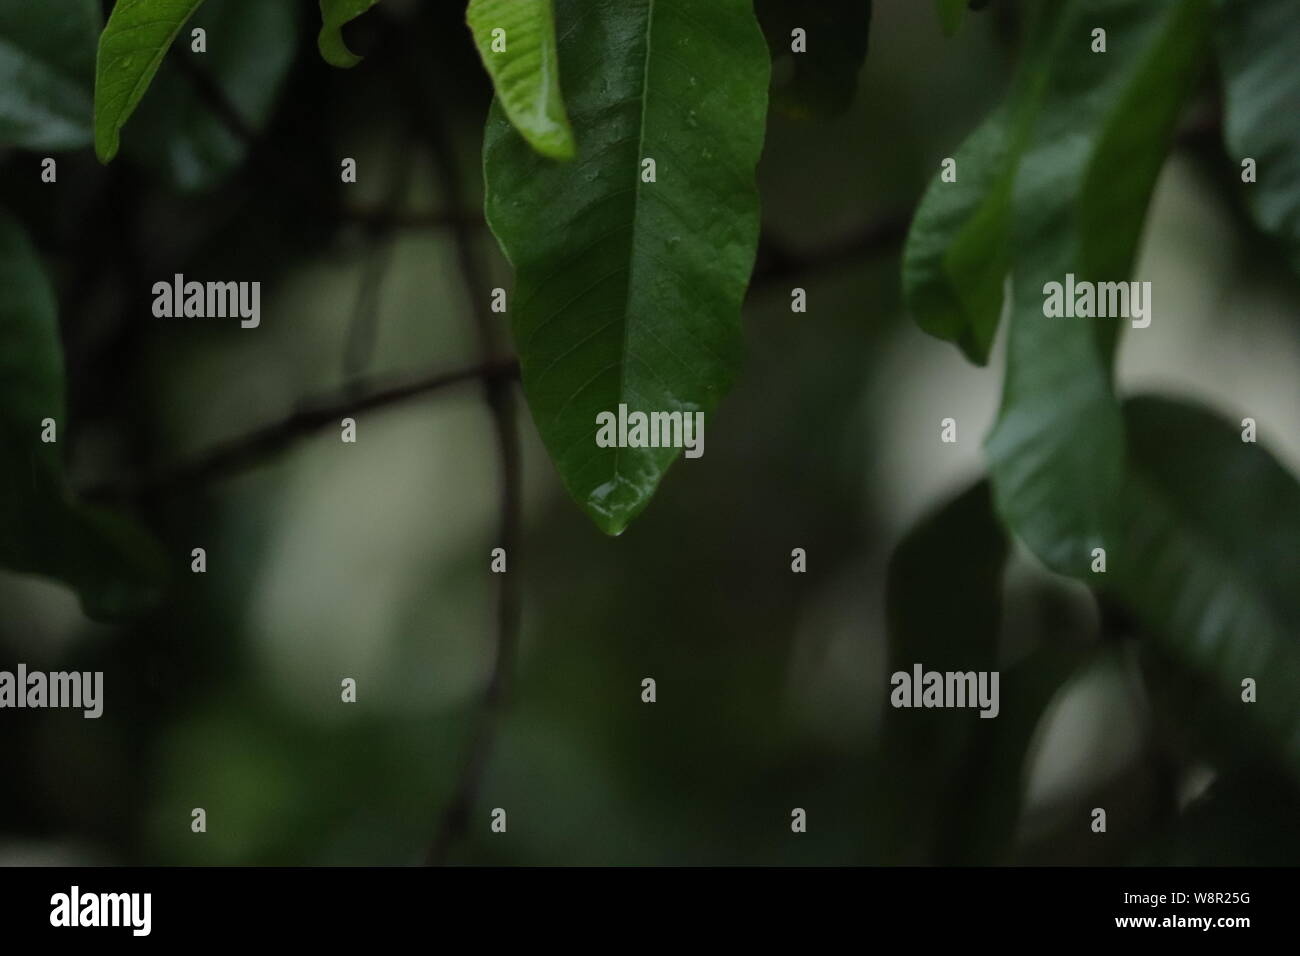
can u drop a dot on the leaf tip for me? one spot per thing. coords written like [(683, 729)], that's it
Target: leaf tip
[(334, 51), (613, 505), (106, 148), (561, 149), (610, 523)]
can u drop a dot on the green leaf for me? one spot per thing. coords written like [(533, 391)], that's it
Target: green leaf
[(957, 253), (951, 15), (47, 57), (819, 83), (958, 249), (132, 46), (956, 779), (1056, 181), (926, 748), (526, 74), (177, 132), (1205, 557), (333, 14), (1103, 128), (962, 549), (631, 293), (43, 530), (1258, 45)]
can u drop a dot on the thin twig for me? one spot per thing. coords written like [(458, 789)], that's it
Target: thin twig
[(363, 330), (248, 450), (454, 820), (215, 99), (275, 164)]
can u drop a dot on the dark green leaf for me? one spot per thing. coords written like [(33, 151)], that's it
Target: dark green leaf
[(333, 14), (926, 748), (526, 73), (1206, 557), (1258, 45), (179, 132), (1102, 131), (133, 44), (819, 82), (47, 64), (43, 530), (956, 778), (961, 549), (957, 257), (631, 293), (958, 250)]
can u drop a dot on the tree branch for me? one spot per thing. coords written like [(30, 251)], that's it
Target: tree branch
[(248, 450), (775, 264)]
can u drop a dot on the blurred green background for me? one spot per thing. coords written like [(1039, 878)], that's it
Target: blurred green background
[(371, 560)]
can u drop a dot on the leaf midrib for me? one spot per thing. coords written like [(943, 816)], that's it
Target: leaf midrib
[(636, 214)]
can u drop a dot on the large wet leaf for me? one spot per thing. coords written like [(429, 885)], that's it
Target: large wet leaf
[(821, 80), (112, 564), (631, 292), (524, 65), (1206, 559), (47, 67), (1258, 45), (131, 48), (1103, 129)]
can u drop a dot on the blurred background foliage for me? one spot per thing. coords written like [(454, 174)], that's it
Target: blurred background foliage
[(370, 560)]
